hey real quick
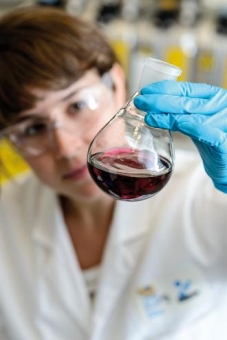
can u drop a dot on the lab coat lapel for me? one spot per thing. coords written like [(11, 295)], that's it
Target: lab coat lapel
[(60, 285), (128, 232)]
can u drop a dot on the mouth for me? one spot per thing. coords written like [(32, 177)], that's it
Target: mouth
[(76, 174)]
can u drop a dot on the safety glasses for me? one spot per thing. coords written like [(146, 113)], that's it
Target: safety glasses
[(35, 136)]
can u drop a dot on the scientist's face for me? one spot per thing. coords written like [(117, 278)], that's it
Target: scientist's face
[(60, 127)]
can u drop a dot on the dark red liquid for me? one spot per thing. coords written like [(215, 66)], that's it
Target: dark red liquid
[(124, 175)]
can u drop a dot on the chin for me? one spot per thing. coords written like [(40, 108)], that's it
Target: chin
[(89, 194), (92, 198)]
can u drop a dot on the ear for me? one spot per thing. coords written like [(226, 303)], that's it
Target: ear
[(119, 81)]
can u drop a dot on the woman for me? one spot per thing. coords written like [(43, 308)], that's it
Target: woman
[(75, 264)]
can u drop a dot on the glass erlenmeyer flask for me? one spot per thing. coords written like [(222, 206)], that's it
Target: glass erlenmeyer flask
[(128, 159)]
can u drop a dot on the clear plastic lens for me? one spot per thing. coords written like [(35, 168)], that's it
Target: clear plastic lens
[(34, 136)]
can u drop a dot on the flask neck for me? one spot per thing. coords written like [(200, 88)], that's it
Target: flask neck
[(130, 108)]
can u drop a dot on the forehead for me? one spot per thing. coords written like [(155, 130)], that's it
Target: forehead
[(46, 98)]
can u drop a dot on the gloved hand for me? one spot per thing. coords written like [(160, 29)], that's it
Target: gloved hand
[(196, 110)]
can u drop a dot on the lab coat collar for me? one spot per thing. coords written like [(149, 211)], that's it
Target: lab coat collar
[(51, 239), (47, 216), (131, 219), (128, 233), (129, 227)]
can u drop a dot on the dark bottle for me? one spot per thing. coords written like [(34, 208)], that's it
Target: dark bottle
[(109, 10), (222, 22), (166, 13), (52, 3)]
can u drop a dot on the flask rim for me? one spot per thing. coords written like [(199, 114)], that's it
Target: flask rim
[(162, 66)]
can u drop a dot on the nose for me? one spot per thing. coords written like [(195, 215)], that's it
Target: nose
[(66, 144)]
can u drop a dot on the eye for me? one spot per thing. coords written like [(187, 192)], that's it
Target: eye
[(34, 129), (78, 106)]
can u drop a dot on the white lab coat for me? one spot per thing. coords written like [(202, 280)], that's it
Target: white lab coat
[(163, 276)]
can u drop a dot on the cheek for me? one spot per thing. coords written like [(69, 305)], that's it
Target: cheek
[(102, 118), (43, 167)]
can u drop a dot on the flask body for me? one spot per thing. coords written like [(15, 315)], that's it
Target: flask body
[(130, 160)]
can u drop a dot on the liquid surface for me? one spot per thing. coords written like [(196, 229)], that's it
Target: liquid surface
[(129, 175)]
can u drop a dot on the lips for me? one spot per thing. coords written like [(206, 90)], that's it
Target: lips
[(76, 174)]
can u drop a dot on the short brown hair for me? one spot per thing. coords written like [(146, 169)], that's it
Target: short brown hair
[(45, 48)]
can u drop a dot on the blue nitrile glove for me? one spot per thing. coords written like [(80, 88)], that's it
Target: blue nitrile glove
[(198, 111)]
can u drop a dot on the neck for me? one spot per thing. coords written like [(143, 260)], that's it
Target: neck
[(89, 215), (88, 225)]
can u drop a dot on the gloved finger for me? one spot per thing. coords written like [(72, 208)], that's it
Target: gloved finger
[(193, 126), (181, 105), (205, 134), (218, 120), (164, 121), (184, 89), (171, 121), (175, 105)]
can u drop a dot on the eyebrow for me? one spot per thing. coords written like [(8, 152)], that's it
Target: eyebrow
[(64, 99), (88, 86), (27, 117), (70, 94)]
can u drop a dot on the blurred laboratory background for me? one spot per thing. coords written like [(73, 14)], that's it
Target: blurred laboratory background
[(191, 34)]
